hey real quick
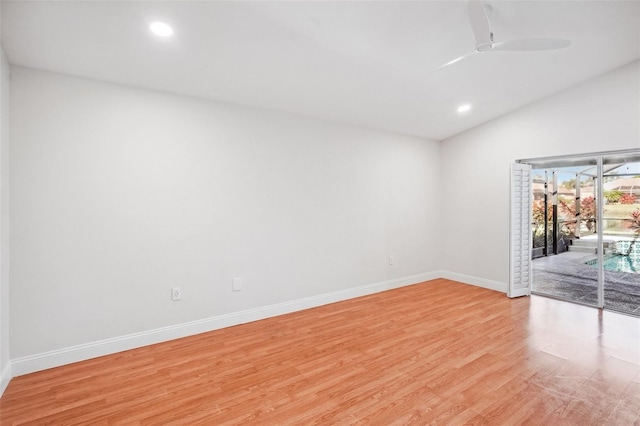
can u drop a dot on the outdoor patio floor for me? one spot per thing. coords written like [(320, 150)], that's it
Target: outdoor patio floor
[(567, 276)]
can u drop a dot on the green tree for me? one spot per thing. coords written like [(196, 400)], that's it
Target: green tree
[(613, 197), (569, 184)]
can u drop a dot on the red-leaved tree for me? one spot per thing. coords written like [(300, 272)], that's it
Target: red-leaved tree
[(627, 199), (587, 210), (634, 225), (538, 212)]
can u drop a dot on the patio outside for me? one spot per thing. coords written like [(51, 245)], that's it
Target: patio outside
[(565, 235)]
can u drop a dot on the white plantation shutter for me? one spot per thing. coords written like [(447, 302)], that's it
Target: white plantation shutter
[(520, 234)]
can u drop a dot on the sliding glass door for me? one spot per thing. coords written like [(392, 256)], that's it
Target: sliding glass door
[(621, 232), (585, 229), (564, 231)]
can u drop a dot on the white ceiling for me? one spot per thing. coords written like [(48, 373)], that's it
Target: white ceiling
[(366, 63)]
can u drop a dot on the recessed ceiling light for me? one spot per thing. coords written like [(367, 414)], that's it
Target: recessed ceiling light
[(161, 29), (464, 108)]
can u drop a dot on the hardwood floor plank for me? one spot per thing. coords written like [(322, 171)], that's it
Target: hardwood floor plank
[(438, 352)]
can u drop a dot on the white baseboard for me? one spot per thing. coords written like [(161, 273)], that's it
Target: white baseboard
[(56, 358), (478, 282), (5, 377)]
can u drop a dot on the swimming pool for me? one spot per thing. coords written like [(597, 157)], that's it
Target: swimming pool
[(618, 263)]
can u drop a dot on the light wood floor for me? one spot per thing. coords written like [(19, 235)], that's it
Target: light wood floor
[(438, 352)]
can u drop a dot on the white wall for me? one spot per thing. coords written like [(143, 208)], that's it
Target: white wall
[(119, 194), (5, 366), (600, 115)]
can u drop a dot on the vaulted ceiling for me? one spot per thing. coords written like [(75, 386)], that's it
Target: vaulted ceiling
[(370, 63)]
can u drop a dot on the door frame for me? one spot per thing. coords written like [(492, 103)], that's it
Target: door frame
[(565, 161)]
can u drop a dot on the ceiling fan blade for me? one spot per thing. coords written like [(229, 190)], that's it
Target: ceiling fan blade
[(532, 44), (480, 23), (453, 61)]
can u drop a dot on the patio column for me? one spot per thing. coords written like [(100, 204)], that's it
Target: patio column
[(554, 213), (545, 250), (578, 206)]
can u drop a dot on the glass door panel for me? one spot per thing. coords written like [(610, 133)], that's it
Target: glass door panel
[(564, 228), (621, 233)]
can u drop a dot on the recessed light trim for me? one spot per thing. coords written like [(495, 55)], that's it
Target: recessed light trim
[(161, 29), (464, 108)]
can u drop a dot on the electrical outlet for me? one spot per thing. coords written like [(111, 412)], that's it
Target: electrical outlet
[(236, 284), (176, 293), (392, 260)]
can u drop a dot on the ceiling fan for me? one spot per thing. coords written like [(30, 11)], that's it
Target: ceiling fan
[(479, 17)]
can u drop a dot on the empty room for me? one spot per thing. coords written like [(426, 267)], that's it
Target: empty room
[(320, 212)]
